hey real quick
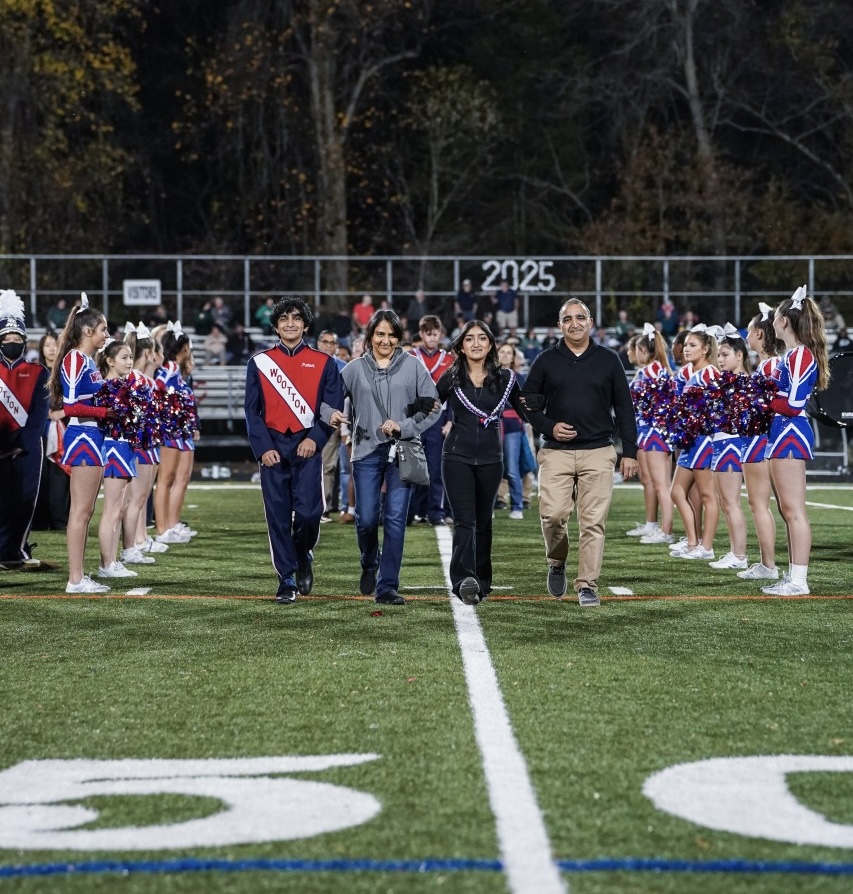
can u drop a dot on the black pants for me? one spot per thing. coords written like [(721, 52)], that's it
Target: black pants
[(471, 491), (54, 499)]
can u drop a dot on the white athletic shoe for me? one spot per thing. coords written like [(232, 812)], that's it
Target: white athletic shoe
[(86, 585), (657, 536), (150, 545), (641, 529), (729, 560), (116, 569), (698, 552), (786, 588), (516, 514), (677, 550), (172, 536), (759, 572), (185, 529), (135, 556), (680, 544)]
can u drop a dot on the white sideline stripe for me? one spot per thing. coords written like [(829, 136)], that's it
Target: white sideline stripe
[(621, 591), (138, 591), (443, 584), (828, 506), (523, 840)]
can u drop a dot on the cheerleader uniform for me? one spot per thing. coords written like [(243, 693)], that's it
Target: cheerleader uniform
[(755, 448), (81, 381), (149, 456), (702, 450), (119, 460), (729, 449), (169, 376), (651, 439), (791, 435)]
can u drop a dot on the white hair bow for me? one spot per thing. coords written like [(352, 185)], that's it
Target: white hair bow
[(649, 331), (730, 331), (797, 298), (766, 310), (699, 327), (716, 332), (175, 327), (129, 327), (142, 331), (84, 303)]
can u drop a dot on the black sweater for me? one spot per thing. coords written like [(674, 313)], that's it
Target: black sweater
[(585, 391), (469, 441)]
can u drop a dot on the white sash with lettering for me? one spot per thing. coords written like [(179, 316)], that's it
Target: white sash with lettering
[(288, 391), (13, 405)]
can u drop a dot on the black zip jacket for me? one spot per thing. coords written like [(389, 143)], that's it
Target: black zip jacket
[(469, 441), (586, 392)]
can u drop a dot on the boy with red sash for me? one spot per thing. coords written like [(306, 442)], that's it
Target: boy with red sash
[(23, 414), (285, 387)]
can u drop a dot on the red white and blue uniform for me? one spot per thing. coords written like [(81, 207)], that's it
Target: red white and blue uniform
[(701, 452), (791, 435), (81, 380), (650, 438), (118, 456), (23, 414), (169, 376), (429, 502), (755, 448), (284, 390), (149, 456)]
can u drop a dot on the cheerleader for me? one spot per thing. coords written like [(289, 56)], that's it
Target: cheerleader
[(694, 464), (115, 361), (756, 470), (650, 500), (655, 453), (138, 546), (176, 455), (803, 368), (73, 383), (726, 465)]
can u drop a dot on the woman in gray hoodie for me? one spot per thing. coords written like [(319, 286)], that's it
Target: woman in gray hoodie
[(391, 396)]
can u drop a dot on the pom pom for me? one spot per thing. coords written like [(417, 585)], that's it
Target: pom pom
[(129, 398)]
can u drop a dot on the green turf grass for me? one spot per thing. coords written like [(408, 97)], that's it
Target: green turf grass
[(598, 699)]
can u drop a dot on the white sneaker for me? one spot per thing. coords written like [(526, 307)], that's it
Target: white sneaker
[(759, 572), (86, 585), (172, 536), (185, 529), (677, 550), (516, 514), (680, 544), (698, 552), (657, 536), (641, 529), (729, 560), (786, 588), (150, 545), (116, 569), (135, 556)]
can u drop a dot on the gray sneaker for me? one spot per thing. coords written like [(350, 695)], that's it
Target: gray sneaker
[(588, 598), (557, 580)]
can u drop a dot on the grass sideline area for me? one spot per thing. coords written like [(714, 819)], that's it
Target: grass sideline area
[(692, 664)]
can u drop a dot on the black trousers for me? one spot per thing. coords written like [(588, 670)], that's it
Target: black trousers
[(471, 491)]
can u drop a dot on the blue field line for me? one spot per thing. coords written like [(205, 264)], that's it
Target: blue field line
[(191, 864)]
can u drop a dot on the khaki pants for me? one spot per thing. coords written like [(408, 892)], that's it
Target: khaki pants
[(585, 478), (330, 468)]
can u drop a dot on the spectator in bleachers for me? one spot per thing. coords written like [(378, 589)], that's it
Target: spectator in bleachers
[(221, 313), (204, 319), (529, 345), (668, 318), (57, 315), (262, 316), (416, 310), (624, 328), (240, 346), (361, 313), (466, 301), (215, 346)]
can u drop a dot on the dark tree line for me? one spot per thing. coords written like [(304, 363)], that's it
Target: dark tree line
[(418, 126)]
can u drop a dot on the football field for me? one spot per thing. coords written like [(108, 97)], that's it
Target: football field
[(185, 733)]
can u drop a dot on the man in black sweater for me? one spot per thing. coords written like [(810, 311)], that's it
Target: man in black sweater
[(572, 394)]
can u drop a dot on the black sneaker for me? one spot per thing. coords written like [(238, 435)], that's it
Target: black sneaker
[(557, 580), (469, 591), (367, 584), (286, 595), (390, 597), (305, 578), (588, 598)]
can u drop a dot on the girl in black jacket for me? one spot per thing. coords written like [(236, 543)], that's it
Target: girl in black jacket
[(476, 389)]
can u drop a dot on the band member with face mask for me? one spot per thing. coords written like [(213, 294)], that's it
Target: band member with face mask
[(23, 414)]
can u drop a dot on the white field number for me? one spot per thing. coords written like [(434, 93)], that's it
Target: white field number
[(750, 796), (37, 809)]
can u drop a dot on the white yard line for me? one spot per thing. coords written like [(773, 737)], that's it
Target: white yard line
[(828, 506), (523, 840), (621, 591)]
